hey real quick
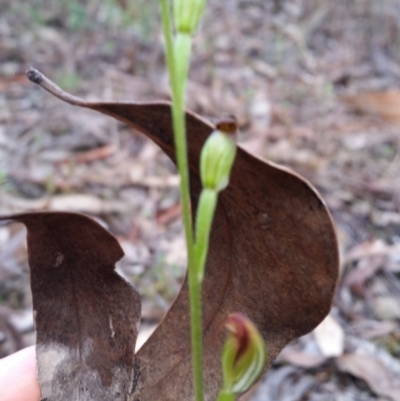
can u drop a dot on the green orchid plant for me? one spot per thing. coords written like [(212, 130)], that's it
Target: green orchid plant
[(244, 353)]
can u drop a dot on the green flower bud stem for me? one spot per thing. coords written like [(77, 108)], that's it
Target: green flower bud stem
[(204, 219), (178, 54), (226, 396), (178, 118), (187, 15), (182, 50), (196, 330)]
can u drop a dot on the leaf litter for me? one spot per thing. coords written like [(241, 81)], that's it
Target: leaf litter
[(351, 158)]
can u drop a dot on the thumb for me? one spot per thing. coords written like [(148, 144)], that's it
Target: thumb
[(18, 376)]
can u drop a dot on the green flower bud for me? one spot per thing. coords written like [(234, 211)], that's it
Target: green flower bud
[(187, 14), (216, 160), (244, 356)]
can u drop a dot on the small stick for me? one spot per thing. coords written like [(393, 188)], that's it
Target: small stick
[(38, 78)]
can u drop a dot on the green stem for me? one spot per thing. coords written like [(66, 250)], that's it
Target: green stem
[(225, 396), (196, 333), (178, 116), (204, 219), (178, 86)]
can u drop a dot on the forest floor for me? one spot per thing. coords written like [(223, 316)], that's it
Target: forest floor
[(315, 86)]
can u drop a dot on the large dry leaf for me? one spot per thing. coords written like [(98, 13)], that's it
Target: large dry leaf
[(273, 256), (86, 315)]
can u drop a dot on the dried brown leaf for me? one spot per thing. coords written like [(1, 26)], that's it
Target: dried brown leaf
[(273, 256), (86, 315)]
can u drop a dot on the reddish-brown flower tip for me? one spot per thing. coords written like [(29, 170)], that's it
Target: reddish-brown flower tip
[(228, 125), (237, 326), (244, 355)]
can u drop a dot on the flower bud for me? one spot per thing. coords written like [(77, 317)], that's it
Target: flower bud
[(216, 161), (187, 14), (228, 124), (244, 355)]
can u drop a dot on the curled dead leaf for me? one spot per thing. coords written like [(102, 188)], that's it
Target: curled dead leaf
[(273, 256)]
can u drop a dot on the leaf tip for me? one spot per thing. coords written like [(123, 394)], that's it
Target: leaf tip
[(34, 75)]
